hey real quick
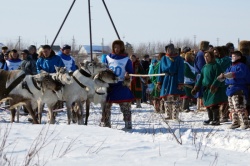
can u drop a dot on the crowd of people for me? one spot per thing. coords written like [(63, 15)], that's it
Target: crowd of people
[(214, 78)]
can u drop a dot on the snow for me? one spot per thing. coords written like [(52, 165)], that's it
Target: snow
[(149, 142)]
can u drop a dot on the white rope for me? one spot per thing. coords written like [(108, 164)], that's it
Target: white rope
[(146, 75)]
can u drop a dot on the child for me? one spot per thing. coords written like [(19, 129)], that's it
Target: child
[(119, 62), (237, 78)]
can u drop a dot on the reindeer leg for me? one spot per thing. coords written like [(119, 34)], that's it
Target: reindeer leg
[(39, 110), (13, 114), (69, 114), (51, 118), (87, 111), (31, 112), (80, 113), (17, 114)]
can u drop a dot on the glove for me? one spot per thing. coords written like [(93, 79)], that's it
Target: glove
[(195, 90), (213, 89)]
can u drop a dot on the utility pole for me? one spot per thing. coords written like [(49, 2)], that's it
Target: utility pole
[(102, 45), (45, 40), (73, 46), (217, 41), (19, 43), (194, 40)]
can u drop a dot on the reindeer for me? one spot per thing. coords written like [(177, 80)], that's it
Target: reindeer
[(82, 88), (33, 91)]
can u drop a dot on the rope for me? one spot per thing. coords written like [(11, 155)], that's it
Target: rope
[(147, 75)]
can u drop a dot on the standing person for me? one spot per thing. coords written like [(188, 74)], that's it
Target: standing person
[(119, 62), (2, 60), (198, 65), (28, 64), (213, 93), (145, 62), (32, 51), (67, 59), (137, 82), (237, 78), (13, 61), (154, 69), (230, 47), (171, 84), (224, 62), (48, 60), (189, 79)]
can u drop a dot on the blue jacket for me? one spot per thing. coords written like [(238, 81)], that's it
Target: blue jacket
[(174, 69), (12, 64), (199, 61), (118, 93), (48, 64), (68, 61), (240, 79)]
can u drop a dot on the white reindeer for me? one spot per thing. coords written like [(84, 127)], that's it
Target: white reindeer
[(34, 91)]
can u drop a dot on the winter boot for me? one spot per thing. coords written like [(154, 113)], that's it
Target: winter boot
[(243, 119), (168, 110), (210, 117), (162, 107), (185, 105), (128, 125), (156, 104), (106, 116), (216, 117), (235, 121), (138, 103), (224, 113)]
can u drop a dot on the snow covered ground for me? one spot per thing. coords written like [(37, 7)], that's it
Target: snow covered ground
[(149, 143)]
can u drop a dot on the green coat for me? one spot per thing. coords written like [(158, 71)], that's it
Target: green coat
[(155, 93), (208, 79)]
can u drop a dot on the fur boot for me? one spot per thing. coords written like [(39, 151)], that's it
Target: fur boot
[(224, 113), (127, 117), (106, 116), (235, 121), (243, 118)]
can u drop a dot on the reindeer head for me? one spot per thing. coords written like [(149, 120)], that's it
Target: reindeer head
[(45, 81), (107, 76), (62, 75), (93, 67)]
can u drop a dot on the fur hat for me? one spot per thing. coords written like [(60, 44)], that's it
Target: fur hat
[(121, 44), (244, 47), (204, 45)]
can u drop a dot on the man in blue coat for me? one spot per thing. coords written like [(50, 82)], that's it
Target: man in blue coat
[(48, 61), (170, 85)]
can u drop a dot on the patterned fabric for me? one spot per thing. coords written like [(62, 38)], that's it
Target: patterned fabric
[(171, 106), (106, 114)]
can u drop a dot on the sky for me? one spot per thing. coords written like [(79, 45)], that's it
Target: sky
[(149, 143), (137, 21)]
